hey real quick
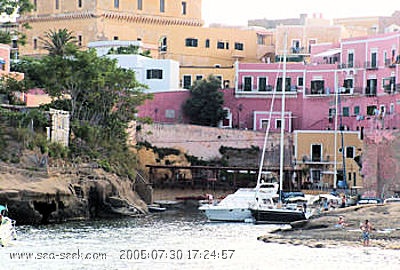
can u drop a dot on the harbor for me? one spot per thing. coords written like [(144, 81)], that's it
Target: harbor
[(117, 244)]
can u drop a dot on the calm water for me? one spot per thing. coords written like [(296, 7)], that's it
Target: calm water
[(184, 240)]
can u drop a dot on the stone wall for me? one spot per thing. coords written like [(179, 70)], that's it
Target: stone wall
[(203, 142)]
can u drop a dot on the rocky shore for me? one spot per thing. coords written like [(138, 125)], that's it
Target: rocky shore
[(320, 231), (66, 194)]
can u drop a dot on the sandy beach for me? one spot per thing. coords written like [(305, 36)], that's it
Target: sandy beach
[(321, 231)]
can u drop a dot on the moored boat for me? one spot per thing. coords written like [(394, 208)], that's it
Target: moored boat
[(235, 207), (7, 227)]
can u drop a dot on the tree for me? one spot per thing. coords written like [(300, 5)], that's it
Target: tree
[(59, 42), (10, 7), (101, 97), (204, 107)]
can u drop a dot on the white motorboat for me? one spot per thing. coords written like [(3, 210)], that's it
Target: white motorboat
[(235, 207), (7, 227)]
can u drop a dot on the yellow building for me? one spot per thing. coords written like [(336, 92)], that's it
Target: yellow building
[(170, 29), (301, 37), (317, 156)]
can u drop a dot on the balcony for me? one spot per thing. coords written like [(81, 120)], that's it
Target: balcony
[(348, 65), (315, 160), (391, 88), (370, 92), (371, 65), (298, 50), (268, 89)]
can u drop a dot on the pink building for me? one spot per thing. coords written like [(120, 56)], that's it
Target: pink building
[(364, 71)]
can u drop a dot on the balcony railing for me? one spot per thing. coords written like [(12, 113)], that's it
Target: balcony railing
[(349, 65), (298, 50), (370, 92), (267, 89), (314, 160), (371, 65), (392, 88)]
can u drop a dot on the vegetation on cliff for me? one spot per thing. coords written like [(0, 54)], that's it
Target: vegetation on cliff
[(100, 96)]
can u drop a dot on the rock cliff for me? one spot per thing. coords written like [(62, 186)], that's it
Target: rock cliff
[(66, 193)]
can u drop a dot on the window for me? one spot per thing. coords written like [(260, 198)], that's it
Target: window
[(163, 47), (315, 175), (278, 123), (389, 84), (162, 6), (332, 112), (57, 4), (279, 84), (116, 3), (163, 44), (350, 59), (348, 86), (374, 60), (139, 4), (316, 152), (247, 84), (346, 111), (183, 8), (220, 45), (35, 44), (191, 42), (116, 38), (239, 46), (207, 43), (187, 81), (356, 110), (300, 81), (260, 39), (371, 89), (79, 40), (371, 109), (199, 77), (79, 3), (35, 5), (350, 152), (170, 114), (317, 87), (391, 108), (264, 124), (154, 74), (295, 46), (227, 45), (262, 84)]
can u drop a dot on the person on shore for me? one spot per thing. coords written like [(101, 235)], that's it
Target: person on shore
[(341, 223), (343, 204), (366, 229)]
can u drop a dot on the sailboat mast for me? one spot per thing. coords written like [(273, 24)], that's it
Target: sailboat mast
[(282, 148), (336, 127)]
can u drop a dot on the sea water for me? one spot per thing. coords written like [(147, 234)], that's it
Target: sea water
[(175, 240)]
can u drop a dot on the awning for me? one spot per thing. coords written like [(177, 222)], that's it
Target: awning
[(328, 53)]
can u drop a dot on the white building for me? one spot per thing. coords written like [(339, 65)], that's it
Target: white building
[(160, 75)]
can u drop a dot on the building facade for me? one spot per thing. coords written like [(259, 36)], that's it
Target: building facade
[(322, 154), (168, 29)]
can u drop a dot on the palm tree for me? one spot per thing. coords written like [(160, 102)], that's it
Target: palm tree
[(60, 42)]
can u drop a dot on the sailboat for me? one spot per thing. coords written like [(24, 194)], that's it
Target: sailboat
[(266, 211)]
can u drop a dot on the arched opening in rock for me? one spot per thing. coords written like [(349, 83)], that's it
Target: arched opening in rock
[(45, 209)]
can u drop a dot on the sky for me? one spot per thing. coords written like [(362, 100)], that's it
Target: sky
[(236, 12)]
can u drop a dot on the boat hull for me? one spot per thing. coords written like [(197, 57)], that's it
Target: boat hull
[(226, 214), (277, 216)]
